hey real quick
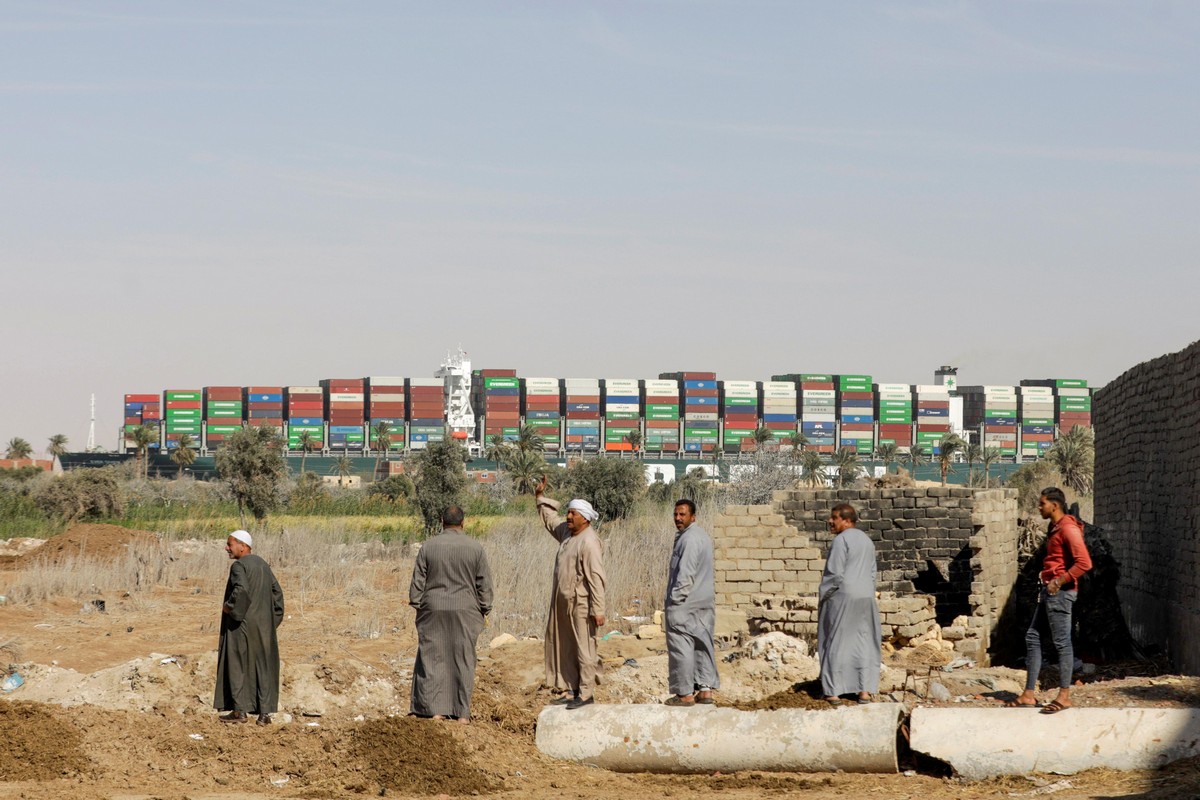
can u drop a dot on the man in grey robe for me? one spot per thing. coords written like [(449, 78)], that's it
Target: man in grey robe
[(848, 629), (451, 589), (691, 612), (248, 654)]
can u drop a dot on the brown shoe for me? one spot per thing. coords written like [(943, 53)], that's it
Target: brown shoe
[(235, 717), (264, 719)]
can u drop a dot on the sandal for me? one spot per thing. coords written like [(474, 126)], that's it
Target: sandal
[(678, 702), (1053, 707), (833, 701), (1017, 704)]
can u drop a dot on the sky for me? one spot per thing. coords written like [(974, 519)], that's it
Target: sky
[(261, 193)]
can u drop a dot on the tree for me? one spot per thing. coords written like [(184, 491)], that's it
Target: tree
[(769, 471), (798, 441), (525, 470), (184, 455), (529, 440), (441, 480), (251, 462), (57, 446), (82, 494), (989, 456), (947, 448), (634, 437), (1074, 456), (497, 449), (343, 465), (762, 435), (848, 466), (972, 453), (307, 443), (917, 455), (383, 442), (612, 485), (393, 487), (142, 437), (18, 449), (888, 453), (812, 468)]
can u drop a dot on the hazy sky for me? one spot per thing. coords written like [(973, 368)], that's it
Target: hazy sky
[(208, 193)]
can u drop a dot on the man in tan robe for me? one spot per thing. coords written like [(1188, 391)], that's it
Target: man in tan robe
[(576, 601)]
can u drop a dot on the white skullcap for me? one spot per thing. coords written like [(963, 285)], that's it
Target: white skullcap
[(585, 509), (243, 537)]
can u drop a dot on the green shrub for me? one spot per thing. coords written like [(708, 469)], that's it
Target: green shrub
[(82, 494)]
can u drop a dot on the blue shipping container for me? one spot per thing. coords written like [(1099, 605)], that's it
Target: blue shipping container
[(622, 398), (699, 384), (541, 415), (306, 421), (857, 419), (503, 391), (779, 417), (430, 421), (264, 398)]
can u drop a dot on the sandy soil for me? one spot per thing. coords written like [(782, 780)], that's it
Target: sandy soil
[(117, 704)]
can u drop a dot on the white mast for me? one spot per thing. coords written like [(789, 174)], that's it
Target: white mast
[(91, 440), (456, 373)]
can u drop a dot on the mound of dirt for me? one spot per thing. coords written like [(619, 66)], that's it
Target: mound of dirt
[(36, 745), (95, 542), (410, 755), (802, 695)]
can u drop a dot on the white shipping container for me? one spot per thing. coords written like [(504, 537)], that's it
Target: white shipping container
[(779, 386), (346, 397), (632, 408), (305, 390), (390, 381), (820, 417), (927, 391), (771, 394), (426, 382), (387, 397), (1070, 392), (901, 396), (741, 386), (701, 416), (1036, 390), (662, 387), (894, 388), (818, 394), (624, 385)]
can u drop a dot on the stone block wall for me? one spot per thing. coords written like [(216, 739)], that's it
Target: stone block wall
[(957, 546), (1147, 496)]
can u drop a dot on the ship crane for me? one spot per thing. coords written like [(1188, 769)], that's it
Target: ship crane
[(460, 417)]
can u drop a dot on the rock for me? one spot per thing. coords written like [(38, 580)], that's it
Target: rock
[(502, 639), (938, 692), (658, 618), (771, 646), (650, 632)]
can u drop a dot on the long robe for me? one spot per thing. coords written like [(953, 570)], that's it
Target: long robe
[(248, 653), (691, 612), (576, 596), (451, 589), (848, 629)]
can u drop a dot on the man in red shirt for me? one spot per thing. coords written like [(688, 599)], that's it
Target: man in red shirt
[(1066, 561)]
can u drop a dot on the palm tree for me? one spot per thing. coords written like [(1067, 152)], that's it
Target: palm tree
[(307, 443), (762, 435), (18, 449), (1074, 455), (383, 441), (812, 468), (972, 454), (529, 440), (497, 449), (58, 445), (142, 437), (917, 455), (634, 437), (888, 453), (183, 455), (525, 470), (846, 461), (947, 448), (990, 456), (797, 440), (343, 465)]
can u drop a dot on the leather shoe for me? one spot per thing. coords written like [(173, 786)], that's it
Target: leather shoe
[(264, 719), (235, 717), (578, 703)]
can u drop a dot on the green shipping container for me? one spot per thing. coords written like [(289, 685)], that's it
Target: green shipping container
[(224, 429), (865, 447), (622, 415), (501, 383), (1071, 383), (812, 377), (660, 408), (430, 429), (1004, 413), (1036, 421), (177, 395), (236, 404), (667, 417), (1075, 404), (224, 414), (741, 401), (898, 405), (183, 429)]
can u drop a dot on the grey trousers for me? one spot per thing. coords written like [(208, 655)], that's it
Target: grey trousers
[(1053, 617), (691, 656)]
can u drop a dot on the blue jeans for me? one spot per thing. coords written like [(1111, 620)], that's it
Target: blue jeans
[(1053, 615)]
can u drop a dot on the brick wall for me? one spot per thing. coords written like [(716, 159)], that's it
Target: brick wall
[(1148, 500), (952, 551)]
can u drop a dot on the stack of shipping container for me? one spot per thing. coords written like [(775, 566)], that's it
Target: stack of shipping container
[(142, 409), (933, 416), (184, 414), (305, 414), (264, 407), (701, 409), (1035, 406), (496, 399), (386, 402), (894, 411), (856, 409), (662, 415), (346, 399), (1073, 399), (543, 410), (426, 412), (622, 412), (818, 411), (582, 406), (224, 411), (992, 410), (779, 404), (740, 415)]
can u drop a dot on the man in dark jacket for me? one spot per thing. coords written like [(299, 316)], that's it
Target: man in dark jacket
[(248, 654)]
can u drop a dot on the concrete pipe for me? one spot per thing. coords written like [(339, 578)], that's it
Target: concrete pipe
[(984, 742), (656, 738)]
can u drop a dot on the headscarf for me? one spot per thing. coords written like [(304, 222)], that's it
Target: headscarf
[(243, 537), (584, 508)]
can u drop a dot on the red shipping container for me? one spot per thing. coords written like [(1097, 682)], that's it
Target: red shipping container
[(931, 405), (780, 426), (133, 420), (223, 392), (183, 404), (892, 427), (858, 395), (264, 422), (700, 393), (497, 373), (151, 416), (662, 423), (662, 399), (264, 389), (858, 426), (543, 406), (696, 376), (583, 415), (583, 398), (143, 398), (619, 446), (818, 385)]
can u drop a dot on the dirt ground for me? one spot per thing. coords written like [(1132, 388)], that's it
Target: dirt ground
[(117, 704)]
